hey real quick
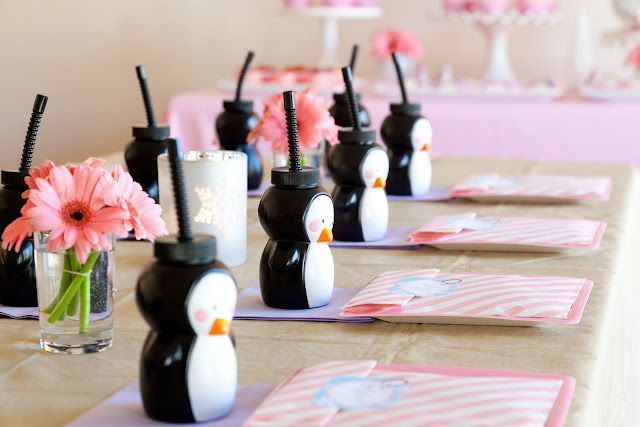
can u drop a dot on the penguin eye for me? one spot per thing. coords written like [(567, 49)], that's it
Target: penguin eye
[(323, 220)]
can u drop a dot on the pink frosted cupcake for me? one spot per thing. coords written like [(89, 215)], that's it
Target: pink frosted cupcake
[(252, 76), (266, 72), (537, 7), (365, 3), (492, 7), (457, 5), (325, 77), (298, 71)]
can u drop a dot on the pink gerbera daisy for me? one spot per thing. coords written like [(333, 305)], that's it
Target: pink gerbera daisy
[(41, 171), (15, 233), (72, 207), (143, 213), (314, 122)]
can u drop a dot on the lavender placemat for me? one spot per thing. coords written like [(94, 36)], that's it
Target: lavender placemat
[(251, 307), (396, 238), (124, 408), (19, 312), (260, 190), (437, 193)]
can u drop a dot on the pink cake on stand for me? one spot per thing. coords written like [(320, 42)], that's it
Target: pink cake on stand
[(537, 7), (491, 7)]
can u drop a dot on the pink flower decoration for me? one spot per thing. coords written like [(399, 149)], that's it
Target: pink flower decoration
[(143, 213), (633, 58), (15, 233), (72, 207), (389, 41), (314, 122), (41, 171)]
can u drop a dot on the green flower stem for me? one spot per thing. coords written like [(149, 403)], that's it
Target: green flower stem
[(73, 305), (73, 288), (85, 306), (64, 283)]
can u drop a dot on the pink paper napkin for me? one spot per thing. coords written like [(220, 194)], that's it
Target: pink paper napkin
[(396, 238), (124, 409), (437, 193), (19, 312), (251, 307)]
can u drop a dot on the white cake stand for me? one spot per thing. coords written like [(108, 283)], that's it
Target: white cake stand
[(498, 29), (331, 16)]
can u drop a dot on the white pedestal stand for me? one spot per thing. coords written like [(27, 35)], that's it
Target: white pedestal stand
[(331, 17), (497, 28)]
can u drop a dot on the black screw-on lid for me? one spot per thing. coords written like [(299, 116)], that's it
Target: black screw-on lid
[(238, 106), (341, 98), (349, 135), (14, 178), (159, 132), (405, 109), (308, 177), (200, 250)]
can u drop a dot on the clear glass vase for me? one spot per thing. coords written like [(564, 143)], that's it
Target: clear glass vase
[(311, 157), (75, 300)]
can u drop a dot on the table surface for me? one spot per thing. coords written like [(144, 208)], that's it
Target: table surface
[(601, 352), (570, 129)]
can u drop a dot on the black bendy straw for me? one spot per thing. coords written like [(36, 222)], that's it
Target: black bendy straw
[(400, 78), (354, 56), (351, 97), (32, 131), (292, 131), (146, 97), (179, 193), (245, 67)]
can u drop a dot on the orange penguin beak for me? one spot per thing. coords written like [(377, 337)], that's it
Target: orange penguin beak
[(326, 236), (220, 327), (426, 147), (380, 183)]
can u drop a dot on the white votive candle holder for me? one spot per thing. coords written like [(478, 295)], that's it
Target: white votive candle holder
[(216, 189)]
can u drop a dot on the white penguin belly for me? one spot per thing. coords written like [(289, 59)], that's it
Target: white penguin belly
[(318, 274), (374, 214), (212, 375), (420, 172)]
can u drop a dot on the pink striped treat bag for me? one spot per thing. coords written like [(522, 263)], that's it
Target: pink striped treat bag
[(291, 403), (517, 231), (376, 297), (493, 296), (548, 186), (408, 395)]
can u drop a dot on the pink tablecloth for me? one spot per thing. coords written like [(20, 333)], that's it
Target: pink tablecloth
[(565, 130)]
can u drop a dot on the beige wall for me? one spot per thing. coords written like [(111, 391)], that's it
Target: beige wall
[(82, 53)]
